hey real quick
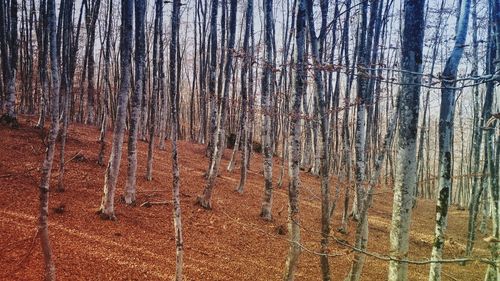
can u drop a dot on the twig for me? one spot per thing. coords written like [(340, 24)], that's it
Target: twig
[(149, 204), (74, 156)]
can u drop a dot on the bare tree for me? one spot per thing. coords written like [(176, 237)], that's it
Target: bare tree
[(408, 107), (106, 209), (267, 201), (244, 123), (140, 57), (205, 199), (446, 115), (174, 98), (294, 142), (50, 270), (8, 49)]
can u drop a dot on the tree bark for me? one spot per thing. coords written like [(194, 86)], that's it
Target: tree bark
[(135, 114), (405, 181), (107, 204), (50, 270), (294, 142)]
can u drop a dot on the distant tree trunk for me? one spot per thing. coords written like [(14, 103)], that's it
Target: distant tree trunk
[(107, 86), (211, 82), (50, 270), (408, 107), (477, 187), (107, 204), (267, 201), (92, 15), (66, 83), (157, 89), (346, 139), (445, 139), (244, 126), (140, 62), (8, 50), (205, 199), (43, 48), (294, 142)]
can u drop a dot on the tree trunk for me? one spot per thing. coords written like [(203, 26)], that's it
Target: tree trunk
[(405, 181), (205, 199), (50, 270), (107, 204), (294, 142), (445, 139), (140, 62), (174, 98), (267, 201)]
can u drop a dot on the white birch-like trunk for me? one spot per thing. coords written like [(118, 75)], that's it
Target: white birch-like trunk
[(446, 140)]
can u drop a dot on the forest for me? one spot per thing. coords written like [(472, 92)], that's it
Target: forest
[(249, 140)]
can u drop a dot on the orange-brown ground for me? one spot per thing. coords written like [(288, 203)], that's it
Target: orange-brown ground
[(229, 242)]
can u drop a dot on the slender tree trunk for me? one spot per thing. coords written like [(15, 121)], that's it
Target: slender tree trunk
[(157, 89), (205, 199), (92, 17), (317, 43), (107, 86), (8, 50), (107, 204), (294, 142), (267, 201), (43, 48), (244, 126), (66, 84), (477, 187), (174, 98), (445, 139), (50, 270), (140, 62)]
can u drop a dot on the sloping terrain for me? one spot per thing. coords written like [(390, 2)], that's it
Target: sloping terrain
[(229, 242)]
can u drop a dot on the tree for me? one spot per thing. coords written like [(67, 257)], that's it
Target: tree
[(205, 199), (294, 142), (317, 43), (8, 49), (267, 201), (140, 57), (245, 91), (42, 36), (174, 98), (157, 84), (446, 115), (50, 270), (405, 181), (91, 19), (106, 209), (107, 86)]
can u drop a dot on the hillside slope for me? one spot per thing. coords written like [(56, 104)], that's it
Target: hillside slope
[(229, 242)]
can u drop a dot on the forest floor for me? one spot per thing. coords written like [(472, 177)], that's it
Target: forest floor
[(230, 242)]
